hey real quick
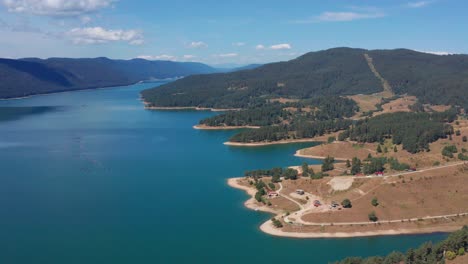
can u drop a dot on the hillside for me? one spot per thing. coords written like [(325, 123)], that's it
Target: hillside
[(339, 71), (330, 72), (36, 76)]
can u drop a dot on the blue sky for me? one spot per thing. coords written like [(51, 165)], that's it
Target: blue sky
[(226, 32)]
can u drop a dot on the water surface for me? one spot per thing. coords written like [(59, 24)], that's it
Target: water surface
[(101, 180)]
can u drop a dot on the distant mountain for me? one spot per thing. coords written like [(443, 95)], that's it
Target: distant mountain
[(339, 71), (36, 76), (246, 67)]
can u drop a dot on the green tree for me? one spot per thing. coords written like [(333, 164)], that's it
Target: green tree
[(346, 203), (348, 164), (305, 169), (259, 195), (465, 139), (356, 166), (271, 186), (327, 164), (379, 149), (290, 174), (395, 149), (457, 133), (375, 201), (394, 257), (373, 217)]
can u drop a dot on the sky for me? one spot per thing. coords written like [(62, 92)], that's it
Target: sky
[(226, 32)]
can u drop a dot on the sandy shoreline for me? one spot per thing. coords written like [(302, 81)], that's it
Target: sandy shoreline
[(298, 154), (188, 108), (259, 144), (250, 203), (268, 227), (205, 127)]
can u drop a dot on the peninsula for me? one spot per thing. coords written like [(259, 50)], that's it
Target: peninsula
[(394, 149)]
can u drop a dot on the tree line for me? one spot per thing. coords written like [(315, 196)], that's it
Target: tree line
[(312, 109), (455, 245), (413, 130)]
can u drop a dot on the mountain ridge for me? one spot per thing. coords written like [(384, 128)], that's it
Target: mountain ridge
[(30, 76), (434, 79)]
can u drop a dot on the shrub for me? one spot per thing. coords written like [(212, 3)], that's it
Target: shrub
[(461, 251), (374, 201), (462, 156), (448, 151), (465, 139), (450, 255), (331, 139), (277, 223), (396, 165), (346, 203), (373, 217)]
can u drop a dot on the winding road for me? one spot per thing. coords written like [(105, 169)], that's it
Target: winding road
[(303, 210)]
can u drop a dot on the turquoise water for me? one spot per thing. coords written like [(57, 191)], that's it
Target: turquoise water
[(98, 179)]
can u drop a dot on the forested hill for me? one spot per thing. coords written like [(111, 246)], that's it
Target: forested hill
[(36, 76), (330, 72), (339, 71)]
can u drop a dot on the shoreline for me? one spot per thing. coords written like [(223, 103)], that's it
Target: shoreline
[(67, 91), (268, 228), (250, 203), (205, 127), (260, 144), (298, 154), (169, 108)]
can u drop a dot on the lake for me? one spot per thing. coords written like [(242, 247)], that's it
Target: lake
[(94, 178)]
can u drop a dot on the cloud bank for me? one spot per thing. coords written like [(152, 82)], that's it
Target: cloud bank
[(56, 7), (99, 35)]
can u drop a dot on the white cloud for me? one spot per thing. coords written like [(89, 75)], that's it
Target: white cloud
[(281, 46), (56, 7), (227, 55), (344, 16), (418, 4), (238, 44), (198, 44), (85, 19), (158, 57), (97, 35), (189, 57), (259, 47), (440, 53)]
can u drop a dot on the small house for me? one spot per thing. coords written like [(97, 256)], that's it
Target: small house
[(272, 194)]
